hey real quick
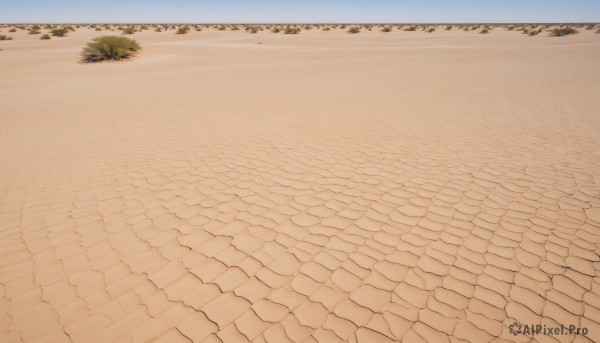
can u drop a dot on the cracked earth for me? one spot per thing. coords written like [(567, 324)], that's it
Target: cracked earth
[(309, 189)]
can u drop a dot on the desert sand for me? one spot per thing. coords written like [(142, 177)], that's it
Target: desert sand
[(320, 187)]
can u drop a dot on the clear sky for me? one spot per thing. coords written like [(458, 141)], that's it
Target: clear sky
[(248, 11)]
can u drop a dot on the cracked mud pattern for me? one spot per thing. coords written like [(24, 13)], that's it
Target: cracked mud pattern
[(351, 202)]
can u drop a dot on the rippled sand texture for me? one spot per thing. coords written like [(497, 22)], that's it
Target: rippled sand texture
[(321, 187)]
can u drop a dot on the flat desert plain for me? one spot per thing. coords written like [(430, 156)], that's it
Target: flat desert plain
[(321, 187)]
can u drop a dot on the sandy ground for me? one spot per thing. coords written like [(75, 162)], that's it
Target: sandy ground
[(323, 187)]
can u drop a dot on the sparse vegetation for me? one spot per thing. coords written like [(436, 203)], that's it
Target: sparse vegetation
[(386, 29), (449, 27), (411, 28), (128, 30), (59, 32), (3, 37), (12, 30), (354, 29), (291, 31), (275, 30), (327, 28), (109, 48), (484, 31), (563, 32), (431, 30), (44, 37), (182, 30)]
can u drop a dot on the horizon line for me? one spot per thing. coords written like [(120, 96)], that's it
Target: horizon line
[(303, 23)]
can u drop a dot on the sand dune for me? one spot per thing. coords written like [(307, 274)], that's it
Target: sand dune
[(320, 187)]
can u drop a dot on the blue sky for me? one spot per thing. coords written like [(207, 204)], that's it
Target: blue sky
[(73, 11)]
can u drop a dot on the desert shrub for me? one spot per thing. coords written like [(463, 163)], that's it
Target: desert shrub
[(431, 30), (343, 27), (253, 30), (109, 48), (3, 37), (590, 27), (354, 29), (386, 29), (563, 32), (222, 28), (128, 30), (59, 32), (182, 30), (449, 27), (44, 37), (275, 30), (34, 32), (326, 29), (291, 31), (534, 33), (158, 29), (598, 31), (235, 28), (484, 31), (98, 29), (12, 30), (412, 28), (143, 27)]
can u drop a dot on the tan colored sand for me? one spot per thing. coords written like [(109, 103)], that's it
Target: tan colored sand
[(320, 187)]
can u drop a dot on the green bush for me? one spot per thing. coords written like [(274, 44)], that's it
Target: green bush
[(109, 48), (354, 29), (59, 32), (46, 36), (182, 30), (563, 32)]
